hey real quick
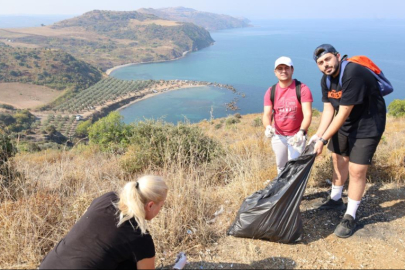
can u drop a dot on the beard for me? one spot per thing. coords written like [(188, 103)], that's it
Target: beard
[(332, 70)]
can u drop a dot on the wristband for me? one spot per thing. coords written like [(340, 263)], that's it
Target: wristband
[(303, 131)]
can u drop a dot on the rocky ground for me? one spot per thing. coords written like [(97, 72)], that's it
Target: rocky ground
[(378, 242)]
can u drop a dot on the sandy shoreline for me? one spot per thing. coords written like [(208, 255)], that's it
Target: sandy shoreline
[(149, 95), (108, 71)]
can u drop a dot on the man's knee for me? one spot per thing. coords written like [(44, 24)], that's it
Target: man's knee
[(358, 172)]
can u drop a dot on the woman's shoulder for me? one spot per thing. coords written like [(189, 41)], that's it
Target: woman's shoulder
[(105, 200)]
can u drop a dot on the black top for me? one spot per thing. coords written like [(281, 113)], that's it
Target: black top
[(359, 88), (95, 241)]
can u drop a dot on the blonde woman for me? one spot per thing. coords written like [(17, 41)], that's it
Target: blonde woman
[(112, 233)]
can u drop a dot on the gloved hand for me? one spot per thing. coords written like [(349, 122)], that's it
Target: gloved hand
[(297, 139), (269, 132), (181, 261), (314, 138)]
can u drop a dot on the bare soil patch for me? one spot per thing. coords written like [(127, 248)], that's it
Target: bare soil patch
[(24, 96)]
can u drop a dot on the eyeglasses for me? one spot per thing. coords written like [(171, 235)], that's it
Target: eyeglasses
[(281, 69)]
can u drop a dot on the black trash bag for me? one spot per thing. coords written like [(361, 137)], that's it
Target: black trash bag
[(273, 213)]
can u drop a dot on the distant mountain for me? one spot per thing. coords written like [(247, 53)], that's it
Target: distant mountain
[(209, 21), (53, 68), (110, 38)]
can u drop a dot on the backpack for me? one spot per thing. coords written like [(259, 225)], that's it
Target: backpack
[(297, 91), (383, 83)]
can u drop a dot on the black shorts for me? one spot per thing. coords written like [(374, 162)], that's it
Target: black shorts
[(359, 151)]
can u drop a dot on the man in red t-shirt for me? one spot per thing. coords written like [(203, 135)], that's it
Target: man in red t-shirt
[(291, 117)]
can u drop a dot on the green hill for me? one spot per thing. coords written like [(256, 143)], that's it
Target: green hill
[(209, 21), (110, 38), (53, 68)]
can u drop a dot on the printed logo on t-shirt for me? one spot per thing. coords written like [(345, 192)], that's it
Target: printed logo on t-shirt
[(335, 94), (289, 110)]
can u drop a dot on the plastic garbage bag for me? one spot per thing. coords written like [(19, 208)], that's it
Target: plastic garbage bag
[(273, 213)]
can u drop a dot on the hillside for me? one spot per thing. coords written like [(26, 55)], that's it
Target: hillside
[(209, 21), (209, 171), (110, 38), (55, 69)]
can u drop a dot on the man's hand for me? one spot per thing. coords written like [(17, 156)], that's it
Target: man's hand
[(269, 132), (318, 147), (181, 261), (314, 138), (297, 139)]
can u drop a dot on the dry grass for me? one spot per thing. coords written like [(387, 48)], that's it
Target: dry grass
[(60, 185), (157, 22), (24, 96)]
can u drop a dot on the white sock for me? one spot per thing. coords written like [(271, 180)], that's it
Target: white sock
[(352, 206), (336, 192)]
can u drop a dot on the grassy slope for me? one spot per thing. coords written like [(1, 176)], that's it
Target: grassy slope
[(60, 185), (53, 68), (110, 38), (209, 21)]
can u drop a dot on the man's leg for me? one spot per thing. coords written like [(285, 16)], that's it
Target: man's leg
[(279, 144), (340, 174), (357, 184), (361, 155)]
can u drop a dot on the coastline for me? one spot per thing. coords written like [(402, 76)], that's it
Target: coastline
[(149, 95), (173, 85), (108, 71)]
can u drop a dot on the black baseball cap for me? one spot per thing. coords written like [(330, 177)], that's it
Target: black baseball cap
[(324, 49)]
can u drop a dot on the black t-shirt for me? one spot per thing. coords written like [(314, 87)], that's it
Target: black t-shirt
[(359, 88), (95, 241)]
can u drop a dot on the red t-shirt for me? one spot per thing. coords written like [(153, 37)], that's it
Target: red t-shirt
[(287, 109)]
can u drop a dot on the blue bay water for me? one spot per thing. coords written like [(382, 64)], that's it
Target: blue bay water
[(245, 59)]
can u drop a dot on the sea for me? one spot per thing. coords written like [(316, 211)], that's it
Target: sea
[(244, 58)]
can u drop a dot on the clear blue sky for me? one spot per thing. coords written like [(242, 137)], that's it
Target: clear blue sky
[(251, 9)]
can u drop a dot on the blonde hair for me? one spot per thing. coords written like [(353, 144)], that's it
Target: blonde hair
[(136, 194)]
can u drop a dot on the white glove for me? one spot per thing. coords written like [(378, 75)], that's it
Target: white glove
[(297, 139), (181, 261), (269, 132), (314, 138)]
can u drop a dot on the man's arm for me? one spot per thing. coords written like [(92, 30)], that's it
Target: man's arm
[(344, 112), (337, 122), (307, 112), (267, 114)]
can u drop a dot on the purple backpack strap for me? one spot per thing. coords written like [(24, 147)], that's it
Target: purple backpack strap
[(342, 69)]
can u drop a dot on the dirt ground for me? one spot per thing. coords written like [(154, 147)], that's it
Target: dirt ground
[(24, 96), (378, 242)]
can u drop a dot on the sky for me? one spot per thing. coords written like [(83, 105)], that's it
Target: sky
[(251, 9)]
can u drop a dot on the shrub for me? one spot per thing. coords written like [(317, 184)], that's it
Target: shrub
[(156, 143), (110, 132), (82, 129), (8, 175), (231, 120), (257, 122), (397, 108)]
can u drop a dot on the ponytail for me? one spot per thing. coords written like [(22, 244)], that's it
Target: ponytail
[(136, 194)]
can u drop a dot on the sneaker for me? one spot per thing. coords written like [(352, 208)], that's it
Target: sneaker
[(328, 203), (346, 227)]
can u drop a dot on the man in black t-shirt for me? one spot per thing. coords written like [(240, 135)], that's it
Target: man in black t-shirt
[(353, 119)]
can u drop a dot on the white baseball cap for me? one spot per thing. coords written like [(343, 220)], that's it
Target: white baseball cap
[(283, 60)]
